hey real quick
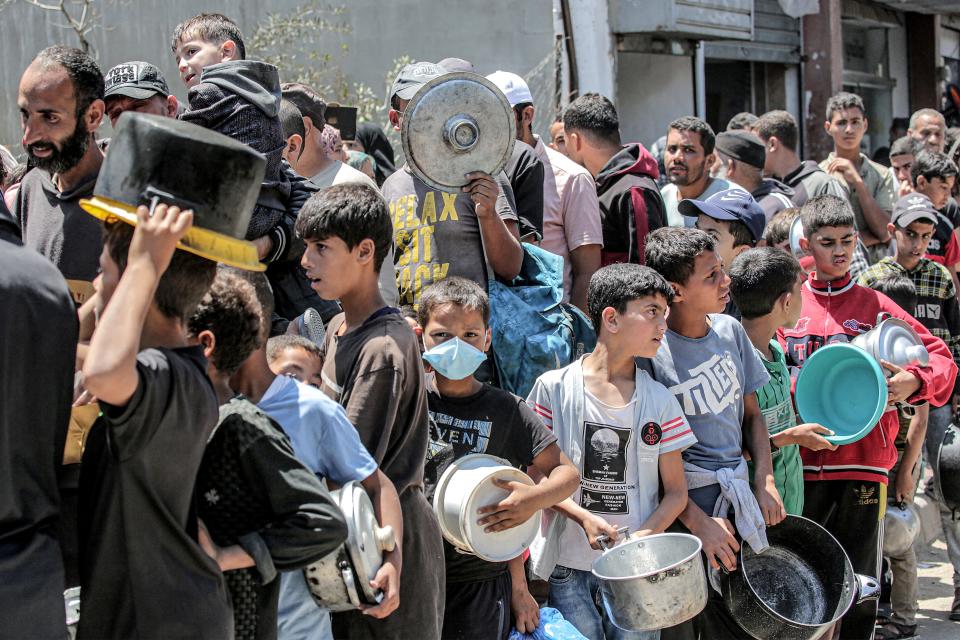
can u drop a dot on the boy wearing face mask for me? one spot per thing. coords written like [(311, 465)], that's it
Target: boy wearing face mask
[(470, 417)]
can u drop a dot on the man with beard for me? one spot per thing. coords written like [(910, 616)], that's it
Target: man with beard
[(687, 156), (61, 106)]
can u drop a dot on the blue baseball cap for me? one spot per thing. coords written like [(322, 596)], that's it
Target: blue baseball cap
[(732, 204)]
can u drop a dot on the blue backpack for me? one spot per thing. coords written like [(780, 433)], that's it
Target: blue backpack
[(533, 331)]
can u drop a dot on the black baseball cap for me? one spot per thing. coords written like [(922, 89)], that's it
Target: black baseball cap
[(731, 204), (911, 208), (136, 79), (412, 77), (308, 101), (742, 146)]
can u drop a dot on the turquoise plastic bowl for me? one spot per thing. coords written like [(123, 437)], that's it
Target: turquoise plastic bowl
[(843, 388)]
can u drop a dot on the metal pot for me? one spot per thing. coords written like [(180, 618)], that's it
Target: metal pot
[(796, 232), (340, 581), (901, 525), (652, 582), (948, 468), (796, 589), (895, 341), (71, 604)]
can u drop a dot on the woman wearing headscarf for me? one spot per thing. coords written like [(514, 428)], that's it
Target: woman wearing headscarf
[(374, 142)]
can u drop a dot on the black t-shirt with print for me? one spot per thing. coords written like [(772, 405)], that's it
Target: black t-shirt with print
[(494, 422)]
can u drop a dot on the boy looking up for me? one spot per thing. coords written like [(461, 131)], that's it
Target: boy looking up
[(139, 559), (372, 368), (297, 357), (765, 283), (476, 418), (325, 441), (845, 490), (262, 511), (712, 369), (623, 431)]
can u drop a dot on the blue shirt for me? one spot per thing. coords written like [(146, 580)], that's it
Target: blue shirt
[(325, 441)]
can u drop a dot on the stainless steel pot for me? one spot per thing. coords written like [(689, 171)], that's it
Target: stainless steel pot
[(895, 341), (652, 582), (796, 589), (948, 468), (340, 581), (796, 232), (901, 525)]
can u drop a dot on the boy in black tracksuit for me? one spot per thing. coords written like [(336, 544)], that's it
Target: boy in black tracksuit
[(264, 510)]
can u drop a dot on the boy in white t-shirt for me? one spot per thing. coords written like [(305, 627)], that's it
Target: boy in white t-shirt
[(624, 432)]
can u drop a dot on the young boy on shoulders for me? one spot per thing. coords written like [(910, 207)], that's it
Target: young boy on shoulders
[(765, 283), (472, 417), (845, 490), (709, 365), (142, 571), (261, 510), (325, 441), (372, 368), (623, 431)]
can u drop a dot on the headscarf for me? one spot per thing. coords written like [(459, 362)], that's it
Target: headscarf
[(375, 143), (356, 159), (329, 141)]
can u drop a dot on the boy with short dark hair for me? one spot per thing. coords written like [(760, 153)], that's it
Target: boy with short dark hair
[(141, 457), (709, 364), (777, 232), (765, 283), (372, 368), (261, 510), (845, 490), (623, 431), (934, 176), (471, 417), (297, 357)]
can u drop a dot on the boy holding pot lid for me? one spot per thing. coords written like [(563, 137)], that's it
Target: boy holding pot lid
[(845, 490), (470, 417), (624, 432)]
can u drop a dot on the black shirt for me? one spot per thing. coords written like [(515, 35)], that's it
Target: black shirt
[(525, 172), (252, 491), (38, 337), (142, 573), (494, 422)]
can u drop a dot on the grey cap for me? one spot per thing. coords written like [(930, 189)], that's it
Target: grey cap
[(913, 207), (412, 77), (136, 79)]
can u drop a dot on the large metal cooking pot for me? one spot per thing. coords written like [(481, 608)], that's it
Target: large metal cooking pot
[(455, 124), (340, 581), (948, 467), (652, 582), (796, 589), (895, 341), (901, 525)]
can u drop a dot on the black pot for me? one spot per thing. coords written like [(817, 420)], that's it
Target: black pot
[(796, 589), (948, 467)]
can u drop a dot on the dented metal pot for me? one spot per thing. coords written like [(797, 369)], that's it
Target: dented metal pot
[(652, 582), (895, 341)]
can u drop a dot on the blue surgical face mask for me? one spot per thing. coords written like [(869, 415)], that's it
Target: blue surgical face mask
[(455, 359)]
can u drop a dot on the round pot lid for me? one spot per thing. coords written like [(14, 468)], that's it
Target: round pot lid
[(898, 343), (456, 124), (796, 232), (497, 546), (366, 541)]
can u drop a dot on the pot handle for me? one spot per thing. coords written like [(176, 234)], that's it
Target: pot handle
[(883, 315), (867, 588), (603, 539)]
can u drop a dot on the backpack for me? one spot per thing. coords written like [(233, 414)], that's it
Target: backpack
[(533, 331)]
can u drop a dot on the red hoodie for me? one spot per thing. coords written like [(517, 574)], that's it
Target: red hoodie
[(630, 204), (838, 311)]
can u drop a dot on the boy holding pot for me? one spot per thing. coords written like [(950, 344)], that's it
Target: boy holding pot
[(845, 490)]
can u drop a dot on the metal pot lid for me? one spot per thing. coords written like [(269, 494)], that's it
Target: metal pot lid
[(456, 124), (497, 546), (796, 232), (898, 343), (366, 541)]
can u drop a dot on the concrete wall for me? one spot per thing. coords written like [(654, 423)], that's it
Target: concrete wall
[(652, 91), (897, 41), (495, 34)]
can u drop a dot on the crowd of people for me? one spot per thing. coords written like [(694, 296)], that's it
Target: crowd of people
[(171, 428)]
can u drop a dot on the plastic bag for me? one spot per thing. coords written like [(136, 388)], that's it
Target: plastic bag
[(552, 627)]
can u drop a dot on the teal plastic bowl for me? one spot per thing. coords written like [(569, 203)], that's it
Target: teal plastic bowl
[(841, 387)]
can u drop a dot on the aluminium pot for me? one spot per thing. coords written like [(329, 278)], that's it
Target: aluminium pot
[(901, 525), (948, 468), (895, 341), (653, 582), (71, 605), (340, 581), (797, 588)]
